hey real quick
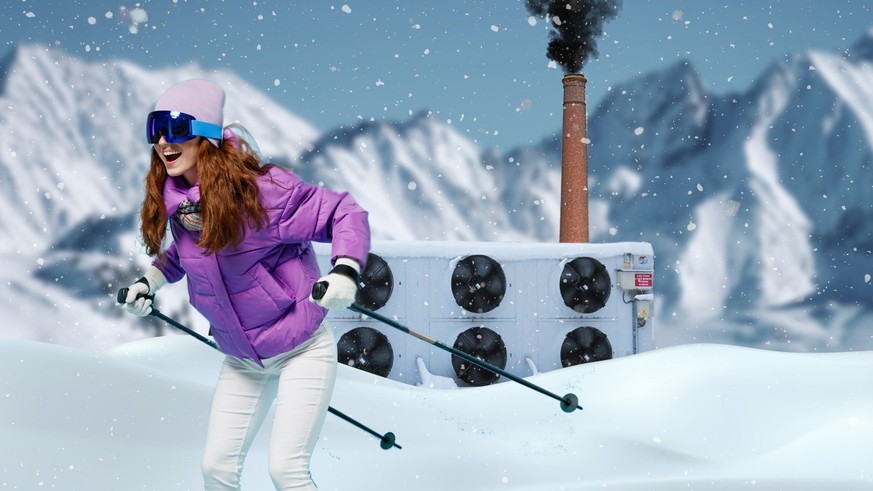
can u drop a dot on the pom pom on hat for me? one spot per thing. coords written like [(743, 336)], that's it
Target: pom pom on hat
[(200, 98)]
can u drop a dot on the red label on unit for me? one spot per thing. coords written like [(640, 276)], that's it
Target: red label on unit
[(643, 280)]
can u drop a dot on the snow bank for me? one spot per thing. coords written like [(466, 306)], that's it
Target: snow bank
[(697, 416)]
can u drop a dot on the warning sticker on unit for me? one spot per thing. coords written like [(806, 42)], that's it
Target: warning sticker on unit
[(632, 279), (643, 280)]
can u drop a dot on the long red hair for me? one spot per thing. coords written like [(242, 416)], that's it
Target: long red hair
[(229, 198)]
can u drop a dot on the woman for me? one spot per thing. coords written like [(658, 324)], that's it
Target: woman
[(241, 233)]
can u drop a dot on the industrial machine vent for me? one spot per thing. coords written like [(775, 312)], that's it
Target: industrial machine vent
[(583, 345), (585, 285), (533, 299), (478, 283), (377, 284), (366, 349), (482, 343)]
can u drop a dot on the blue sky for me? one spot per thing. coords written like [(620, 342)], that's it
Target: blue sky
[(477, 64)]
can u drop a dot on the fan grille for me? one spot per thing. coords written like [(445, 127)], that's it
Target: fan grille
[(366, 349), (377, 284), (584, 345), (484, 344), (585, 285), (478, 283)]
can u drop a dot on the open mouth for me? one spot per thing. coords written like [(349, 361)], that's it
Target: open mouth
[(170, 156)]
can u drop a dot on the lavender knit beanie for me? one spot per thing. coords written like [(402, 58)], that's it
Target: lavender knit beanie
[(200, 98)]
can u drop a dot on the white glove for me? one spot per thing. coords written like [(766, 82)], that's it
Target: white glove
[(141, 306), (342, 284), (150, 283)]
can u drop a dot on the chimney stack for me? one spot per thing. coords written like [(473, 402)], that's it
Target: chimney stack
[(574, 161)]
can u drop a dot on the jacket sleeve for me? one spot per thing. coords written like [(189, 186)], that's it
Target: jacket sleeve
[(315, 213), (169, 264)]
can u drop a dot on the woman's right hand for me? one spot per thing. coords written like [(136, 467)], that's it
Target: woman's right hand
[(137, 301), (141, 294)]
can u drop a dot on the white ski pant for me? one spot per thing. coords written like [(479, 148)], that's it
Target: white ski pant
[(301, 382)]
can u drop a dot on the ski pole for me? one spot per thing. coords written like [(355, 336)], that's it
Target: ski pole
[(386, 441), (569, 402)]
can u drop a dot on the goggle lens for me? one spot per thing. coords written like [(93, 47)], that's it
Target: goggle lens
[(177, 127)]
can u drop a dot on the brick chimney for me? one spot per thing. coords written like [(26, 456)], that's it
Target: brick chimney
[(574, 161)]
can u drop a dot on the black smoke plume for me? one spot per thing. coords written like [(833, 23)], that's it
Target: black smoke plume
[(577, 24)]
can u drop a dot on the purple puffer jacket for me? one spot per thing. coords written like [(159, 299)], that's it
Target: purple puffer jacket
[(256, 297)]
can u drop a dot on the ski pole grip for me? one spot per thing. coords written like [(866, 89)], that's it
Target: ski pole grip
[(319, 289), (122, 296)]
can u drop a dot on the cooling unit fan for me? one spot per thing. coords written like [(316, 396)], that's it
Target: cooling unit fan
[(482, 343), (585, 285), (583, 345), (366, 349), (478, 283), (377, 284)]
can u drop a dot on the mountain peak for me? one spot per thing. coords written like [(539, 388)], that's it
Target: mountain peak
[(677, 81), (863, 47), (6, 63), (22, 51), (15, 55), (20, 56)]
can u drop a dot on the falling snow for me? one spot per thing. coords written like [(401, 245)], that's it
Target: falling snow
[(508, 92)]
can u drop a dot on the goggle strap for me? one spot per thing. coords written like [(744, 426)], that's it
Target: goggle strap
[(204, 129)]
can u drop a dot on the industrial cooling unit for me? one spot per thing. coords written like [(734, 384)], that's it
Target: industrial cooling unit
[(526, 308)]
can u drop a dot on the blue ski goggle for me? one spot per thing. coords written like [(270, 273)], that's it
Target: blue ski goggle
[(178, 127)]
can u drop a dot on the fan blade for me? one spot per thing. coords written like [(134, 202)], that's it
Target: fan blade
[(484, 344), (366, 349), (377, 284)]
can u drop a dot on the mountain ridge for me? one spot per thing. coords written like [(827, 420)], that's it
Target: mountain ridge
[(78, 120), (753, 201)]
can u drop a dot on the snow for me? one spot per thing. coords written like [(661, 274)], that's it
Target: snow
[(83, 413), (785, 233), (703, 282), (509, 251), (711, 417), (852, 83)]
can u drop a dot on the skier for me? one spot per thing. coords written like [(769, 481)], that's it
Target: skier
[(242, 233)]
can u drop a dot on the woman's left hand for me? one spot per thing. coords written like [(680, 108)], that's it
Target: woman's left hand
[(342, 285)]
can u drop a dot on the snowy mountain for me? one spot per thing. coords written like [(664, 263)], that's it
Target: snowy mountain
[(420, 180), (756, 203), (73, 144), (71, 168), (758, 200)]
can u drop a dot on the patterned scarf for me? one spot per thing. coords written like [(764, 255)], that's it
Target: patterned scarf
[(189, 212), (189, 215)]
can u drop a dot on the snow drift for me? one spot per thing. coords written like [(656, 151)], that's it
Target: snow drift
[(698, 416)]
